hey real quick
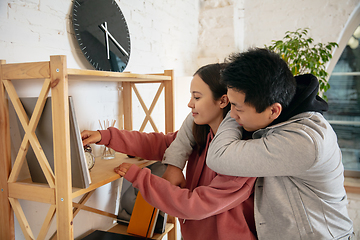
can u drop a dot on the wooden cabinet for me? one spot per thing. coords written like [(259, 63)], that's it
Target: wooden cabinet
[(58, 192)]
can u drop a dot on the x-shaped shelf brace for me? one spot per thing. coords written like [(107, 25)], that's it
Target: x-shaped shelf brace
[(29, 129), (148, 111), (30, 138)]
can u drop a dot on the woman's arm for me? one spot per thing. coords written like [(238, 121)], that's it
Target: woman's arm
[(224, 193), (150, 146)]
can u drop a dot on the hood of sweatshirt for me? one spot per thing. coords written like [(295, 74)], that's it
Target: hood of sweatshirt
[(305, 99)]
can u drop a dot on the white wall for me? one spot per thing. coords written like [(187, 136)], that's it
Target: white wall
[(226, 26), (217, 29), (163, 36), (269, 20)]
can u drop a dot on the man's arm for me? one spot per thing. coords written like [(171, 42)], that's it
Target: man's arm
[(282, 151), (180, 149), (276, 154)]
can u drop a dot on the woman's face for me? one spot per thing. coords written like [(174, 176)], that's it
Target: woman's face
[(205, 109)]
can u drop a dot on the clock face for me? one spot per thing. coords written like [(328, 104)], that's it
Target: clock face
[(102, 33), (90, 161)]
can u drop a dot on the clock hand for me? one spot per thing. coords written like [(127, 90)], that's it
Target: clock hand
[(107, 41), (113, 39)]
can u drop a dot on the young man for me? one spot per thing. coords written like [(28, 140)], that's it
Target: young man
[(293, 150)]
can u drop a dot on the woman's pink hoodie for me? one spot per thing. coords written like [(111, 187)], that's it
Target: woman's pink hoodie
[(211, 206)]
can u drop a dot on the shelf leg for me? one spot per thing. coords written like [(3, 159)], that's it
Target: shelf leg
[(7, 216), (61, 138), (169, 102)]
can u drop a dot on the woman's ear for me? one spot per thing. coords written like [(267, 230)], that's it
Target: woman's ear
[(275, 110), (224, 101)]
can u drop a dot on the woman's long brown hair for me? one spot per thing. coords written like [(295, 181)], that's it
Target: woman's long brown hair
[(210, 74)]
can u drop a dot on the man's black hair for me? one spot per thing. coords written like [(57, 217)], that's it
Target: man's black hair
[(262, 76)]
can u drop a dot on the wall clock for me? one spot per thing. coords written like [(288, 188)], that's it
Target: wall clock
[(102, 34)]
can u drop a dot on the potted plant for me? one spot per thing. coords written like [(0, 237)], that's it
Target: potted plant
[(302, 56)]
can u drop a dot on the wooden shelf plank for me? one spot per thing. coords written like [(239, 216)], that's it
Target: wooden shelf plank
[(25, 70), (121, 229), (94, 75), (103, 172), (32, 192)]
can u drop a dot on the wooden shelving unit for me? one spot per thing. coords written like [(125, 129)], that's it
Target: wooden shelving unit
[(58, 192)]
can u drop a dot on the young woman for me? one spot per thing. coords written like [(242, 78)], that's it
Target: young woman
[(211, 206)]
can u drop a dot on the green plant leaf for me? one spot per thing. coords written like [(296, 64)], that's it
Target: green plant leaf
[(303, 56)]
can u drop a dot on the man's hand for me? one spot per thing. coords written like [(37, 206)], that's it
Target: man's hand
[(175, 176), (90, 137), (122, 168)]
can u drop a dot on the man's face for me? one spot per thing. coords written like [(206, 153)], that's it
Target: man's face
[(245, 114)]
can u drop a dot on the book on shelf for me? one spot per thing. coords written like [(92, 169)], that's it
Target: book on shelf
[(161, 222), (78, 150), (44, 133), (143, 218), (128, 195)]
